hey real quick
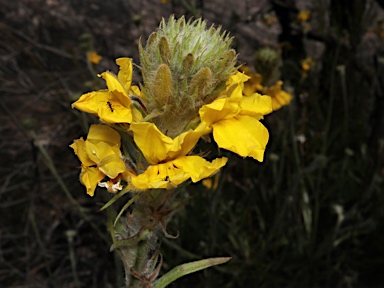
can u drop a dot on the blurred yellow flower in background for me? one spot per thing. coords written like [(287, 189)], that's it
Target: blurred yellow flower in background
[(254, 82), (302, 19), (306, 65), (303, 16), (94, 57), (279, 96)]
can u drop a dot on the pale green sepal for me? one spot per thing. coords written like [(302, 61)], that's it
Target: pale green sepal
[(188, 268)]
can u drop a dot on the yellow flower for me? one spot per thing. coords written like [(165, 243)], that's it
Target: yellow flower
[(93, 57), (307, 64), (113, 105), (279, 97), (235, 119), (100, 157), (303, 20), (303, 16), (169, 163), (253, 85)]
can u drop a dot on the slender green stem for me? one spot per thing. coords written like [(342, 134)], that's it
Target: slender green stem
[(70, 235)]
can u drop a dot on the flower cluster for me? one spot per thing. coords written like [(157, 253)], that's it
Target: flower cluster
[(303, 18), (148, 134), (279, 96)]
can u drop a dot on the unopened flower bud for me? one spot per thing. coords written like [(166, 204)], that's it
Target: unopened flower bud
[(267, 63), (163, 85)]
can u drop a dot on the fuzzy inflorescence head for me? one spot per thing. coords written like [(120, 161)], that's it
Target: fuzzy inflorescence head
[(185, 65)]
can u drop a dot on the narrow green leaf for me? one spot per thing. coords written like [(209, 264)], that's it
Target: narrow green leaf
[(188, 268), (129, 203), (114, 199)]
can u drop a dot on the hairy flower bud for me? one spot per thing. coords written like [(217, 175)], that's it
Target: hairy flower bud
[(195, 60), (163, 86), (267, 63)]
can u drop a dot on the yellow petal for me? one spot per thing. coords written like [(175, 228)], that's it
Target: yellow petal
[(90, 102), (151, 141), (256, 105), (173, 173), (99, 132), (125, 72), (197, 167), (279, 97), (243, 135), (253, 85), (102, 148), (280, 100), (117, 88), (186, 141), (108, 158), (113, 111), (79, 148), (136, 115), (136, 91), (237, 78), (219, 109), (164, 176), (223, 108), (90, 177), (106, 105)]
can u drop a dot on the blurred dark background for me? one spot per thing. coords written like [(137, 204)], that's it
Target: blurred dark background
[(311, 215)]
